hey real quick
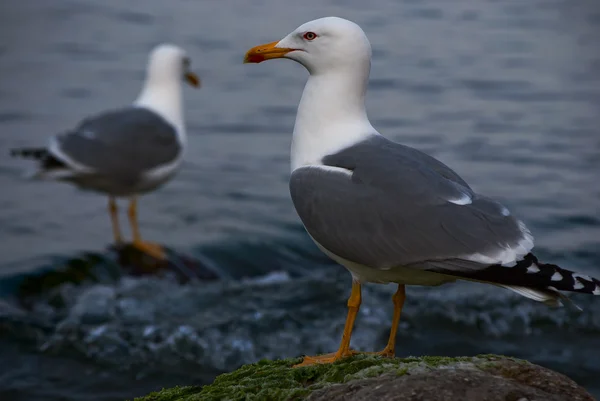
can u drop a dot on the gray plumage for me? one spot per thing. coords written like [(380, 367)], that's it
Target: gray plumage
[(125, 142), (394, 209), (111, 152)]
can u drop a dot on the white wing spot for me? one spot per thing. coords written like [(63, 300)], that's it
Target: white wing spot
[(556, 277), (533, 269), (596, 291), (88, 134), (334, 169), (582, 276), (578, 285), (465, 199), (506, 255)]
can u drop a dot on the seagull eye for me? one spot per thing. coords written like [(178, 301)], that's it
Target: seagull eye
[(309, 35)]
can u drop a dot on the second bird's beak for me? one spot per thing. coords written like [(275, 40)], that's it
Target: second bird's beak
[(268, 51), (192, 79)]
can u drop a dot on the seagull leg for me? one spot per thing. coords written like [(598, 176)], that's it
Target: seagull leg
[(113, 210), (154, 250), (398, 300), (344, 350)]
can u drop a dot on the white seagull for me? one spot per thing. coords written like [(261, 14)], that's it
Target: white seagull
[(128, 151), (387, 212)]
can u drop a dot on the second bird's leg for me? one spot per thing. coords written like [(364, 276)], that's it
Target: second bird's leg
[(113, 210), (154, 250), (344, 350)]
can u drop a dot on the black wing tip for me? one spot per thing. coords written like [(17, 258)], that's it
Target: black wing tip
[(531, 273), (562, 279), (29, 153), (46, 159), (18, 152)]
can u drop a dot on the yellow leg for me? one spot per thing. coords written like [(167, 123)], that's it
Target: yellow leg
[(344, 350), (113, 210), (398, 299), (154, 250)]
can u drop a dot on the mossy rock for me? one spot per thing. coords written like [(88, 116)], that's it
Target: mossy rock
[(368, 377)]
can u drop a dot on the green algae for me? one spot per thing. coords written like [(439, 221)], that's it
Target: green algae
[(175, 393), (277, 380)]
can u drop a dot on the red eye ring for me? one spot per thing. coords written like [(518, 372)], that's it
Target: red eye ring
[(309, 35)]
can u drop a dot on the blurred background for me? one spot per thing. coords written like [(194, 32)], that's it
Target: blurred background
[(507, 93)]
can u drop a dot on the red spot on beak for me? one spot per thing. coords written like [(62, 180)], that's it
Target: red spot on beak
[(255, 58)]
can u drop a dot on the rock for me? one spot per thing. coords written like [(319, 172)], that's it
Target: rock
[(106, 268), (368, 377)]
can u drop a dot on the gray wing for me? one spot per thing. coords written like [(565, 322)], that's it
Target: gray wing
[(383, 205), (124, 143)]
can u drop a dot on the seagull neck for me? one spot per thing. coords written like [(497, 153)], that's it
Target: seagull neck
[(164, 98), (331, 116)]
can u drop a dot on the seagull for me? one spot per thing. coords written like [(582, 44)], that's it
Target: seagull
[(387, 212), (127, 151)]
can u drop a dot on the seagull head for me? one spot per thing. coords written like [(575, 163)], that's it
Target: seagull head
[(320, 45), (169, 62)]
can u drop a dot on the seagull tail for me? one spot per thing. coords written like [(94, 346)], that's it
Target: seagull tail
[(549, 297), (30, 153), (533, 274), (48, 164), (533, 279)]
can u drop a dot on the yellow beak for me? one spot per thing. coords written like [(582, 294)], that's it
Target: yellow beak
[(192, 79), (268, 51)]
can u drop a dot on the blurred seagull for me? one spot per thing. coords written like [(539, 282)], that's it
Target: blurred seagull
[(127, 151), (385, 211)]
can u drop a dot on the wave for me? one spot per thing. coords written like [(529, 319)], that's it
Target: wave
[(278, 299)]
